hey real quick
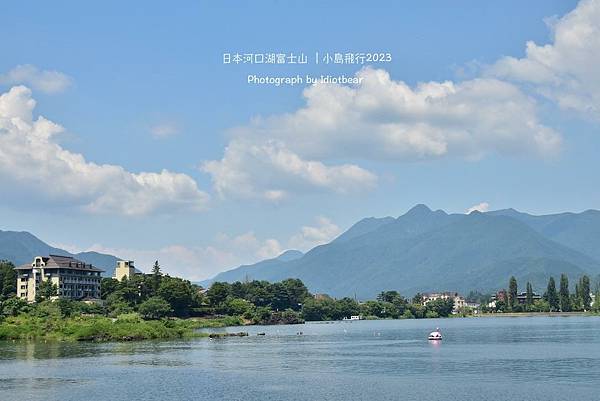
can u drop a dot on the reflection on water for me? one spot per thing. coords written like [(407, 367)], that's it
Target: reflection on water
[(504, 358)]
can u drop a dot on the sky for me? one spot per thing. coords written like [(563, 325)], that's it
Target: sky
[(123, 130)]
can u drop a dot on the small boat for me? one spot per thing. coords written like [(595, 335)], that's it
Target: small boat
[(435, 335), (352, 318)]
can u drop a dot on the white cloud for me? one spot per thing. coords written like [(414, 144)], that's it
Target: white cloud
[(481, 207), (565, 70), (311, 236), (164, 130), (189, 262), (379, 119), (42, 80), (271, 171), (33, 162), (223, 253)]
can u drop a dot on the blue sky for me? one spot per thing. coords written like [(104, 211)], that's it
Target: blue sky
[(141, 88)]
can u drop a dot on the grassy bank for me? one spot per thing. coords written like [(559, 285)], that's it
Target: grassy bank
[(128, 327)]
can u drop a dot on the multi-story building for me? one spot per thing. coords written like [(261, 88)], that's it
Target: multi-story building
[(459, 301), (73, 278), (125, 269)]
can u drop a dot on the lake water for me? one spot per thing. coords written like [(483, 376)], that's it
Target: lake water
[(525, 358)]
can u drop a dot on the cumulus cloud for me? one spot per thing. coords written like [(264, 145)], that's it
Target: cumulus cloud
[(42, 80), (31, 160), (378, 119), (481, 207), (223, 253), (310, 236), (271, 171), (565, 70)]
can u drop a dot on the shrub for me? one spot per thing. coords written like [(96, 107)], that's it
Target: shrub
[(155, 308)]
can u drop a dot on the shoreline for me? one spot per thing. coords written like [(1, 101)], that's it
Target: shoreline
[(536, 314), (129, 328)]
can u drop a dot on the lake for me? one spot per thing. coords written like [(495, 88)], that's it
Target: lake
[(522, 358)]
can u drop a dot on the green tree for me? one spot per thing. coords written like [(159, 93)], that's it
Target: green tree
[(551, 296), (584, 288), (529, 296), (8, 280), (156, 276), (512, 293), (155, 308), (218, 293), (563, 293), (297, 292), (388, 296), (14, 306), (596, 305), (441, 307), (108, 285), (318, 309), (238, 307), (417, 299), (46, 290), (346, 307), (178, 293), (540, 305)]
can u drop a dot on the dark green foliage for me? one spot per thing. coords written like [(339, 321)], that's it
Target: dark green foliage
[(218, 292), (155, 308), (46, 290), (237, 307), (288, 294), (442, 307), (108, 286), (287, 316), (551, 296), (418, 298), (127, 296), (564, 298), (512, 292), (156, 276), (8, 280), (178, 293), (13, 307), (478, 297), (318, 309), (584, 288)]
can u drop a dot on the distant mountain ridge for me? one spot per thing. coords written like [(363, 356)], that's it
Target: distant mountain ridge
[(425, 250), (21, 247)]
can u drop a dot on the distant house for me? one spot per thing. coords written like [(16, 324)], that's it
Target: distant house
[(73, 278), (503, 296), (522, 298), (459, 301)]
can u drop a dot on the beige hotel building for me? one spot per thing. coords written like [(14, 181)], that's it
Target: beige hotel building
[(73, 278)]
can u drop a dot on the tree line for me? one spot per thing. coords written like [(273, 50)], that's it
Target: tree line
[(553, 299), (291, 295)]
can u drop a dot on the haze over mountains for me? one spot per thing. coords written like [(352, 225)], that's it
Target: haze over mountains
[(422, 250), (21, 247), (425, 250)]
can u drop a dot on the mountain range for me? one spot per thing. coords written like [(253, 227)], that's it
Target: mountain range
[(21, 247), (425, 250), (420, 251)]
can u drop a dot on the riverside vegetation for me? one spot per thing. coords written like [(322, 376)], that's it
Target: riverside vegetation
[(157, 306)]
